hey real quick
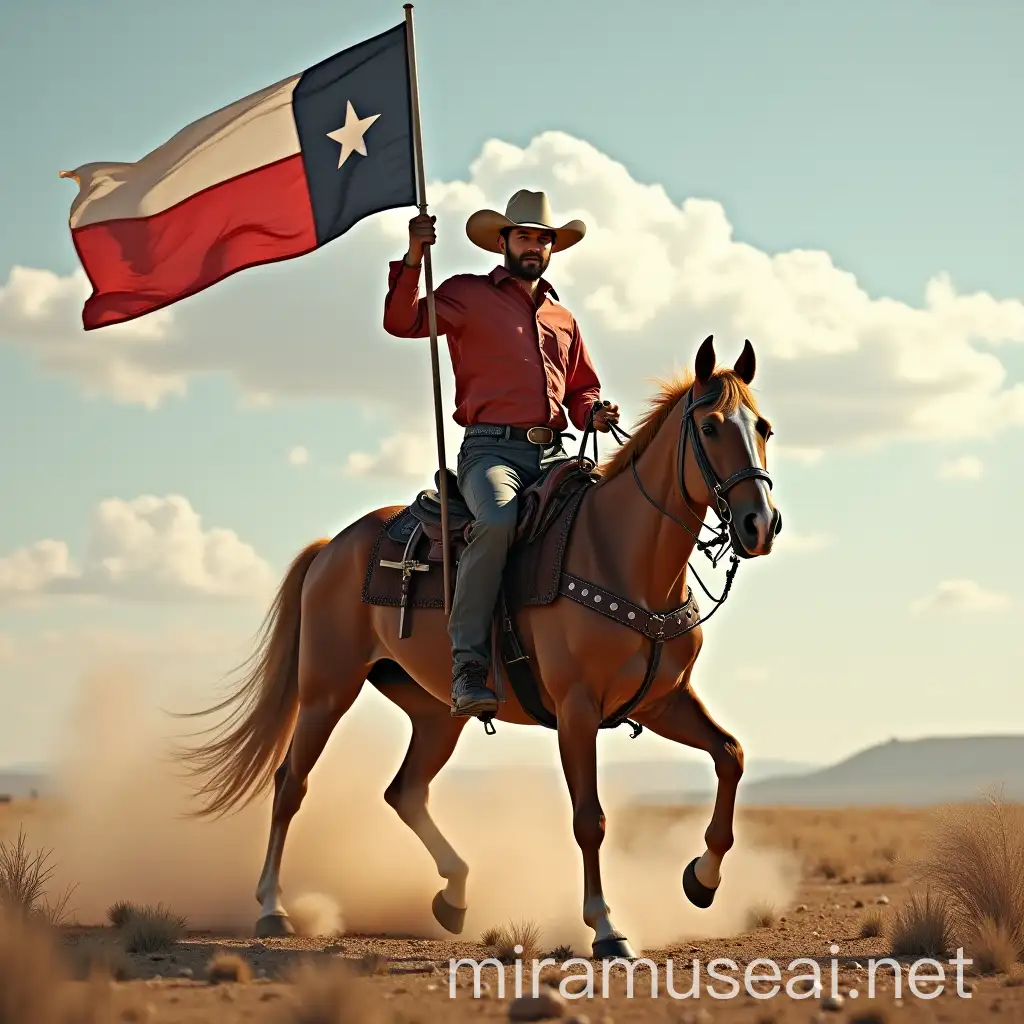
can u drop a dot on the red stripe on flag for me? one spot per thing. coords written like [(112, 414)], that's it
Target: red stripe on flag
[(142, 264)]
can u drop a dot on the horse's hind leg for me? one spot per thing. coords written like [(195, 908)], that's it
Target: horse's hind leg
[(683, 718), (434, 736), (322, 703)]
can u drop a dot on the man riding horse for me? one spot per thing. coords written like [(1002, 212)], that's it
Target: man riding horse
[(518, 357)]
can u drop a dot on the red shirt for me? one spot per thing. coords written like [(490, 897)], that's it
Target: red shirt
[(515, 360)]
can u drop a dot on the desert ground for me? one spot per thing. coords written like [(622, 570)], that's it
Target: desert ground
[(861, 881)]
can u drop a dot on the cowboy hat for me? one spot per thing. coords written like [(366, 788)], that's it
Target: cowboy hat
[(525, 209)]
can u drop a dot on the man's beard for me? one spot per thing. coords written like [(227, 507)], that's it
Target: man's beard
[(527, 271)]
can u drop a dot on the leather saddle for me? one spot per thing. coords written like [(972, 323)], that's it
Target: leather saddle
[(539, 505)]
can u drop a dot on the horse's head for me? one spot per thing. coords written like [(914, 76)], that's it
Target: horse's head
[(723, 451)]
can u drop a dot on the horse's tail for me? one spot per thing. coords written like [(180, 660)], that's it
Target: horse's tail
[(240, 761)]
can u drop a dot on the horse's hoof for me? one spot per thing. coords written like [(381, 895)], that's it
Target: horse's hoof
[(273, 926), (696, 891), (615, 947), (450, 918)]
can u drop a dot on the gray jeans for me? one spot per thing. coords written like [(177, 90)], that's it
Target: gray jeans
[(491, 472)]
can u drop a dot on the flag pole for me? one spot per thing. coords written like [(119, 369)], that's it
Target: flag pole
[(442, 484)]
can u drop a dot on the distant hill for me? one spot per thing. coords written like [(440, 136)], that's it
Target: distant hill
[(907, 772), (19, 783)]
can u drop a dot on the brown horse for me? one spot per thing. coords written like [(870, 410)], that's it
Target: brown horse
[(701, 445)]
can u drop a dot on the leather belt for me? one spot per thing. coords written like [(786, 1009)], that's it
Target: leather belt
[(545, 436)]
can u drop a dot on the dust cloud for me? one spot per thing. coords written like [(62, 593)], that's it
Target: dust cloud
[(349, 863)]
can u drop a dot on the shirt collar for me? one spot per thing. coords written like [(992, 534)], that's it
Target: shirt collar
[(544, 287)]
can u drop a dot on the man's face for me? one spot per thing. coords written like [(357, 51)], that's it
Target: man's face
[(528, 252)]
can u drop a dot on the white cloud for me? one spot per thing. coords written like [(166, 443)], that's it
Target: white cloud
[(298, 456), (961, 595), (837, 367), (967, 467), (407, 455), (149, 548)]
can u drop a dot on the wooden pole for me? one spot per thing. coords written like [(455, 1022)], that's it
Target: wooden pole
[(431, 313)]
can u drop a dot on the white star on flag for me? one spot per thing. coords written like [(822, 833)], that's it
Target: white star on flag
[(350, 136)]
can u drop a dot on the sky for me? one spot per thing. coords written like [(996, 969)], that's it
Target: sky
[(839, 184)]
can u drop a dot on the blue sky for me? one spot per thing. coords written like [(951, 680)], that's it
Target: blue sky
[(883, 135)]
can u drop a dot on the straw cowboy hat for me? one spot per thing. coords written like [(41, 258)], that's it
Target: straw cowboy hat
[(525, 209)]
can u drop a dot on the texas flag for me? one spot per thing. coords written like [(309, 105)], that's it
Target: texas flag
[(270, 177)]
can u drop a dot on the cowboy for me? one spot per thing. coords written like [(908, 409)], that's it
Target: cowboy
[(518, 357)]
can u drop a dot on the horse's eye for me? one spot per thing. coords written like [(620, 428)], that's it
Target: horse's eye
[(764, 429), (707, 429)]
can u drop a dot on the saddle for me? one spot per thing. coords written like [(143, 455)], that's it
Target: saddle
[(410, 542)]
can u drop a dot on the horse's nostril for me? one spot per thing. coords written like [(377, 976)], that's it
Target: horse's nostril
[(750, 523)]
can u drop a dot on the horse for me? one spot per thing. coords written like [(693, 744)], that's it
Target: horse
[(634, 524)]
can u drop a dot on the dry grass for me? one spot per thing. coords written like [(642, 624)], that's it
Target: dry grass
[(28, 965), (34, 979), (119, 912), (24, 880), (922, 927), (977, 865), (878, 876), (829, 868), (328, 995), (873, 925), (152, 929), (228, 967), (520, 939), (992, 949), (762, 915), (96, 957)]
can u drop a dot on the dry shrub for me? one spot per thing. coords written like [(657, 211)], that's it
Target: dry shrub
[(922, 927), (829, 868), (873, 925), (120, 911), (24, 878), (561, 953), (152, 929), (94, 957), (28, 969), (977, 865), (992, 948), (329, 995), (761, 915), (228, 967), (34, 979), (525, 934), (878, 876), (491, 937)]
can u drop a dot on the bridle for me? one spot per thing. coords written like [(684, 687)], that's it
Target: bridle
[(721, 538)]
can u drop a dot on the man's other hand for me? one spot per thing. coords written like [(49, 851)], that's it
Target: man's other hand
[(604, 415)]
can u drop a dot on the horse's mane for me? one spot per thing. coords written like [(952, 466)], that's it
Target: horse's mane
[(732, 393)]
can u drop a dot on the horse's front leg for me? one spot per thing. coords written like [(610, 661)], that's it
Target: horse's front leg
[(579, 719), (680, 716)]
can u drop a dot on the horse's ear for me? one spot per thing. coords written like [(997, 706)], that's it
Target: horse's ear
[(746, 364), (705, 363)]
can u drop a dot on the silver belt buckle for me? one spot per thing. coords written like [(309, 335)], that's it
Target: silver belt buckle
[(550, 435)]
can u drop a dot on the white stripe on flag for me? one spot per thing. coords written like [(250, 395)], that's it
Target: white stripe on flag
[(252, 132)]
